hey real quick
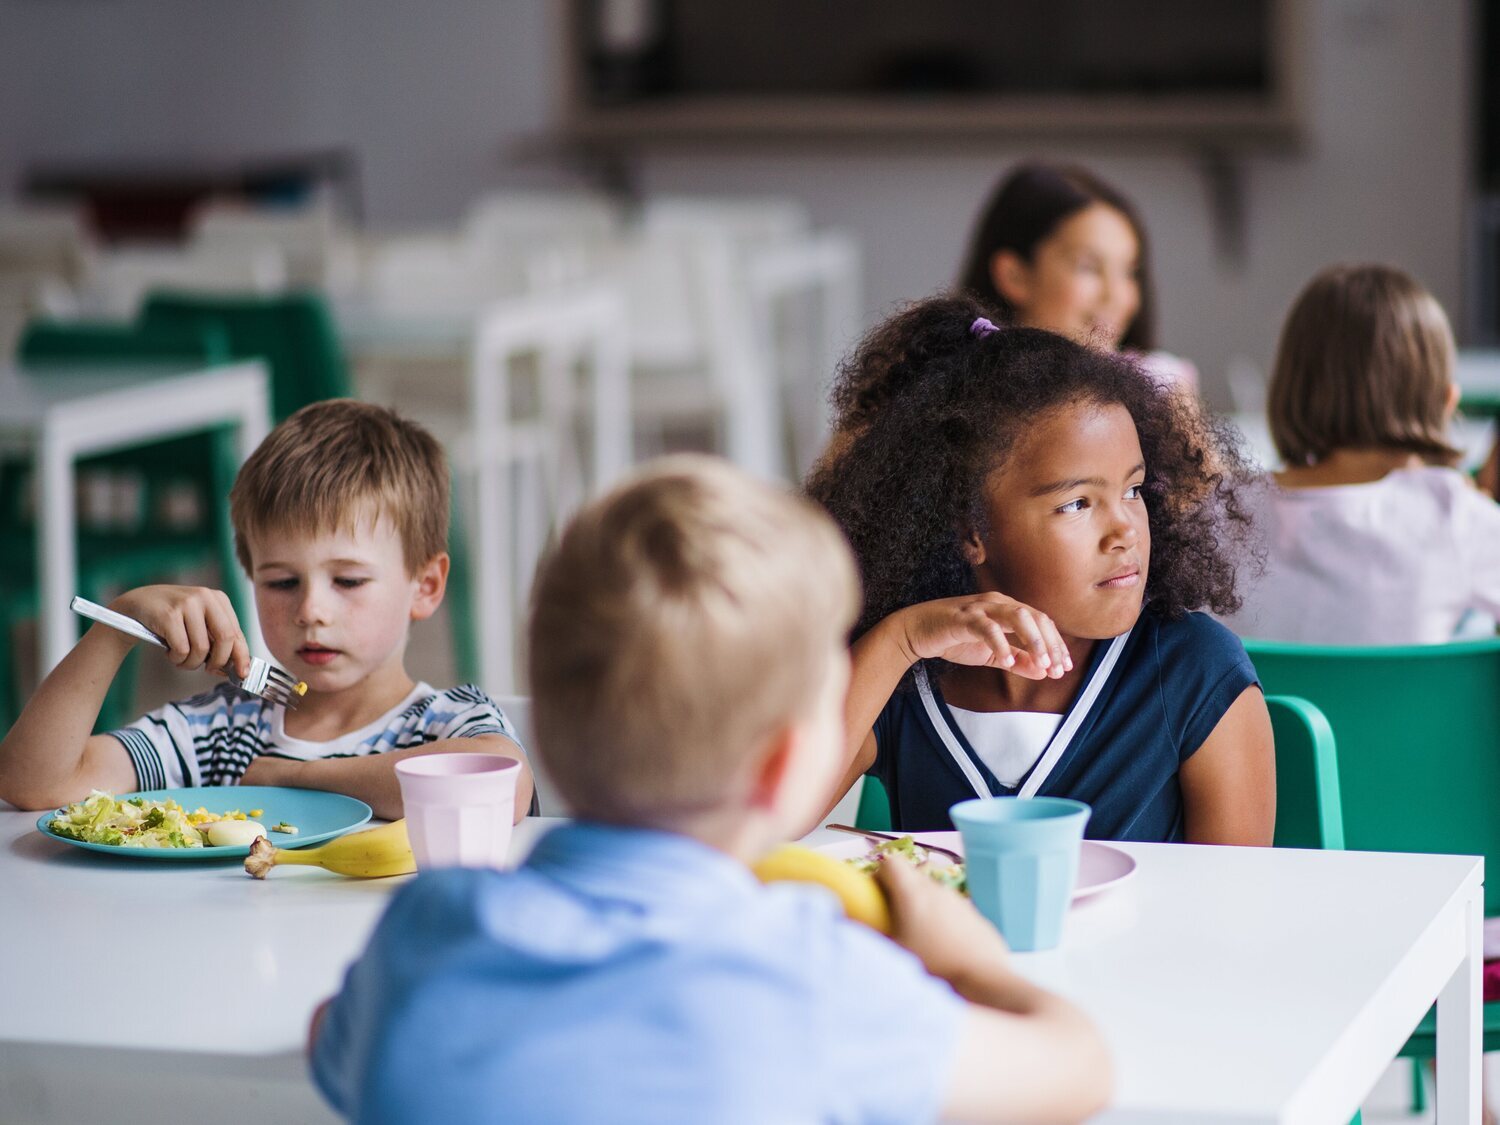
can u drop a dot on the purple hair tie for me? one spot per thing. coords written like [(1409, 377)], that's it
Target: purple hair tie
[(982, 327)]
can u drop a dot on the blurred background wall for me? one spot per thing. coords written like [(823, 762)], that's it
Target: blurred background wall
[(436, 97)]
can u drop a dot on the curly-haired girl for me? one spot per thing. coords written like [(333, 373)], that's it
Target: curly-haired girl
[(1037, 523)]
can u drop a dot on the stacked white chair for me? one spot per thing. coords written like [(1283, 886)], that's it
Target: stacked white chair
[(530, 464), (46, 255), (317, 252), (804, 302), (124, 276), (693, 362), (510, 231)]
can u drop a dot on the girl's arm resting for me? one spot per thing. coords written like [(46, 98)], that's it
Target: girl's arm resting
[(49, 757), (877, 661), (372, 777), (1037, 1058), (1229, 783)]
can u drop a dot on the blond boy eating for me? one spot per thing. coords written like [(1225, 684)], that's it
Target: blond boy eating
[(688, 669), (341, 523)]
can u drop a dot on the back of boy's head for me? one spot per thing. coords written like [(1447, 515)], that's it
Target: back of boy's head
[(1365, 362), (681, 622), (335, 463), (933, 406)]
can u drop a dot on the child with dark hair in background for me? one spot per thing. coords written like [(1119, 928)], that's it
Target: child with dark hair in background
[(1056, 247)]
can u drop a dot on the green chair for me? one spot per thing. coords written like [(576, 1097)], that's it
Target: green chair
[(460, 597), (1308, 810), (1309, 813), (874, 806), (292, 333), (1418, 731), (124, 557), (77, 343)]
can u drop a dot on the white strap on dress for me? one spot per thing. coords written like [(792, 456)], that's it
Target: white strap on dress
[(1055, 748)]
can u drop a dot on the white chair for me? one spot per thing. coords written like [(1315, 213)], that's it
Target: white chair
[(431, 275), (529, 464), (123, 277), (812, 285), (315, 251), (749, 221), (46, 241), (508, 230), (694, 360)]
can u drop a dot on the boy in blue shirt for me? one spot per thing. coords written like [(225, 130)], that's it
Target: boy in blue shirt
[(689, 669), (341, 522)]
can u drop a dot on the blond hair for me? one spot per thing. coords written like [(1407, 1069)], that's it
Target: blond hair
[(1365, 362), (335, 462), (679, 623)]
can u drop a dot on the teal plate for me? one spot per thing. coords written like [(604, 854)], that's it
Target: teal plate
[(317, 815)]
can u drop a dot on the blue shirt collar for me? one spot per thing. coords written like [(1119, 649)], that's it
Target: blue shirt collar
[(638, 865)]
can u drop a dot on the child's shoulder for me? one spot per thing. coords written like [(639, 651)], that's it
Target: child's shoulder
[(1193, 637), (429, 704), (221, 701)]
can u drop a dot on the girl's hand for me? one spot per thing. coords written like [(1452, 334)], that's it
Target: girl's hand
[(198, 624), (985, 630), (947, 934)]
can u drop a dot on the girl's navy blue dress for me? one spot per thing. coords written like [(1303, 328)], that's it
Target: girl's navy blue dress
[(1150, 699)]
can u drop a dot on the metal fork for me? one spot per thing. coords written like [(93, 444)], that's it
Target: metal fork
[(871, 834), (263, 679)]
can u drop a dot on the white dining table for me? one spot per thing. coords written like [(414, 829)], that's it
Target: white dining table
[(1234, 985), (62, 416)]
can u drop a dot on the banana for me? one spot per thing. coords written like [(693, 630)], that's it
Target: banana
[(371, 854), (860, 894)]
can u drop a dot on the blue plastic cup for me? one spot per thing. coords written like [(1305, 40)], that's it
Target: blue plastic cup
[(1022, 858)]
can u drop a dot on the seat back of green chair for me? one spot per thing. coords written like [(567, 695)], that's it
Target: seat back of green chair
[(83, 343), (1418, 731), (292, 333), (874, 806), (1308, 809)]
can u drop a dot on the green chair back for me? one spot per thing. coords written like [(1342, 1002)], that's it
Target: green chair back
[(1308, 810), (1418, 732), (874, 806), (74, 344), (293, 333)]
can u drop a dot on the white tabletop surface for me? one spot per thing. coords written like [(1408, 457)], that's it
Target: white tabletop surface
[(1233, 984), (26, 394)]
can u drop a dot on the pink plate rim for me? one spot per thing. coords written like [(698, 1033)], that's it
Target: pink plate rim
[(1101, 866)]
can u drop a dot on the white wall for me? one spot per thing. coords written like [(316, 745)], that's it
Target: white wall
[(435, 95)]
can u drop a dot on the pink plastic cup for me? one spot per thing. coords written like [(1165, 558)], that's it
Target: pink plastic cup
[(459, 808)]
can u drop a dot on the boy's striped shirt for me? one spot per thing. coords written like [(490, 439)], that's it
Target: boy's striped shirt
[(212, 738)]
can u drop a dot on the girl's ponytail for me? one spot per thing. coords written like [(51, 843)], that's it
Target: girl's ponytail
[(922, 339)]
